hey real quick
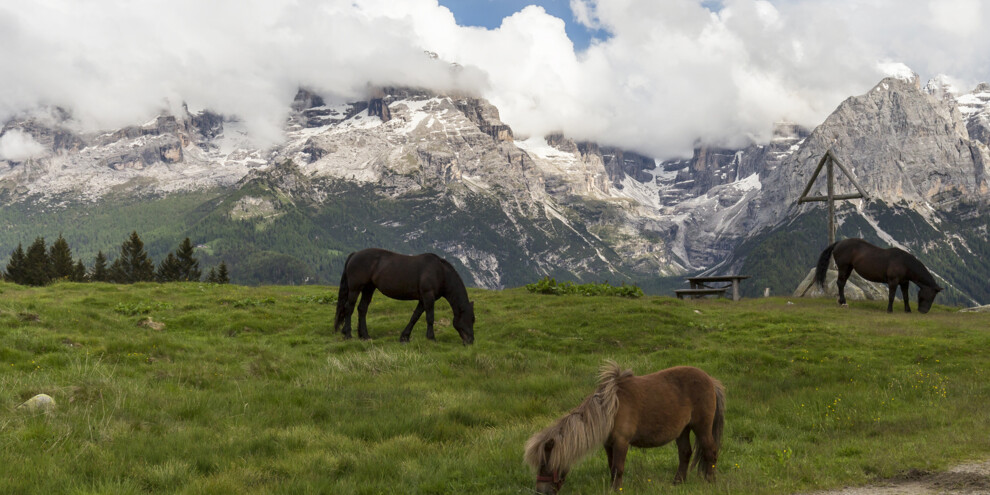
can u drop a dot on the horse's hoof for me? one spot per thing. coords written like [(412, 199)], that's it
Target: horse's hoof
[(403, 340), (844, 305)]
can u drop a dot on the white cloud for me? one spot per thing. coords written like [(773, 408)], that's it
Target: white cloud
[(582, 11), (672, 72), (18, 146), (117, 63), (957, 17)]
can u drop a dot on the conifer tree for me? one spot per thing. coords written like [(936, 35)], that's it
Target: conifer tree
[(169, 270), (133, 264), (188, 265), (116, 273), (60, 258), (212, 276), (222, 276), (37, 264), (79, 272), (16, 266), (99, 273)]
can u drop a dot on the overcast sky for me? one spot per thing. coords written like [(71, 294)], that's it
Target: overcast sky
[(649, 75)]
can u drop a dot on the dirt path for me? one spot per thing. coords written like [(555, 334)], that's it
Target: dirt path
[(966, 479)]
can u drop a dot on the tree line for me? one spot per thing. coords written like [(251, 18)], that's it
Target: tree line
[(41, 265)]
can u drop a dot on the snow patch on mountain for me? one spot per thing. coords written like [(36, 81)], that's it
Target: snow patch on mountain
[(644, 193), (538, 147), (975, 102), (750, 183)]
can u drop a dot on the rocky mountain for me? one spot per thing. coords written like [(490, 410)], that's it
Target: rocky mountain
[(924, 173), (414, 170)]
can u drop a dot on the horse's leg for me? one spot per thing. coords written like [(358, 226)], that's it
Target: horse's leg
[(619, 449), (708, 453), (683, 455), (608, 454), (412, 322), (844, 272), (905, 286), (428, 300), (366, 293), (352, 296), (892, 290)]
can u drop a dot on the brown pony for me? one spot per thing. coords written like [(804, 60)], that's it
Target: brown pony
[(642, 411)]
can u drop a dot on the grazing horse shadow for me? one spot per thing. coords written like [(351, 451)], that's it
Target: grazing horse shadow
[(424, 278), (893, 266)]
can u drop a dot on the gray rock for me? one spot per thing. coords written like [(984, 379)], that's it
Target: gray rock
[(40, 403), (857, 288)]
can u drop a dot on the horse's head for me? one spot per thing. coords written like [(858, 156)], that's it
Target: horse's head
[(926, 296), (548, 481), (464, 323)]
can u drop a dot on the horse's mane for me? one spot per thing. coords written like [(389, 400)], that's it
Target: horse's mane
[(453, 277), (584, 428), (924, 277), (447, 264)]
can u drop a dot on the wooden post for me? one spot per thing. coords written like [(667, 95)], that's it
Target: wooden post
[(829, 161), (830, 176)]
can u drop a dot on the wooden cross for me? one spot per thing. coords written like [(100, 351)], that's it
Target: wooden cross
[(827, 161)]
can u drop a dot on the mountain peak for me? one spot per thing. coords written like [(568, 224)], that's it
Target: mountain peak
[(900, 72)]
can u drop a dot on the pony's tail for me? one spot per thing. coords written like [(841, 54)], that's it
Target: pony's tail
[(821, 270), (342, 296), (718, 426)]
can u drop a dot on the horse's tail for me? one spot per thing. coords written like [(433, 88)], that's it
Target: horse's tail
[(821, 270), (718, 425), (342, 296)]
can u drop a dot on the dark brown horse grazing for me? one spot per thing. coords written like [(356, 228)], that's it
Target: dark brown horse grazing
[(424, 278), (892, 266), (642, 411)]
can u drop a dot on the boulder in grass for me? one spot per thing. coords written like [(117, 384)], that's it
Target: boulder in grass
[(857, 288), (38, 404), (152, 324)]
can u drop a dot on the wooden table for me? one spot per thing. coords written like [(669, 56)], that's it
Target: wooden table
[(701, 283)]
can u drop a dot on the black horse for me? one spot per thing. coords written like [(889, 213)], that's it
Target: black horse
[(423, 277), (893, 266)]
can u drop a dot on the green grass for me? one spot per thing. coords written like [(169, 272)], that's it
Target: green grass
[(247, 390)]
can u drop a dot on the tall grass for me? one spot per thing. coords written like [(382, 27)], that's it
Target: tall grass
[(247, 390)]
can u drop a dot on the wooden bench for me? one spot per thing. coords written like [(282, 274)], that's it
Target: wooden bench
[(697, 293), (700, 286)]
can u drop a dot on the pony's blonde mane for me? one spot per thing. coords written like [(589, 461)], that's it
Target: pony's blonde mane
[(581, 430)]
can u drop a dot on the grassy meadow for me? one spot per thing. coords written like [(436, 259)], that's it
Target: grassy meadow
[(247, 390)]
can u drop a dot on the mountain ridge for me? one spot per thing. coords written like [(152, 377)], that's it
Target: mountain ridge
[(554, 206)]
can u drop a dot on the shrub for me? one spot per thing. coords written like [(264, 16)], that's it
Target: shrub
[(549, 285)]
